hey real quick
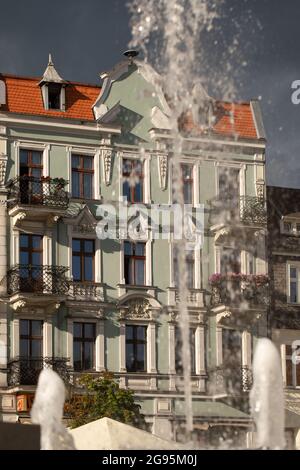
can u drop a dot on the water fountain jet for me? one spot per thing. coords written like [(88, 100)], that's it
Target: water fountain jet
[(267, 396), (47, 411)]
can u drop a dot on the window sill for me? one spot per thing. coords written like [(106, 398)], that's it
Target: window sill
[(83, 200), (126, 288), (52, 110), (136, 372)]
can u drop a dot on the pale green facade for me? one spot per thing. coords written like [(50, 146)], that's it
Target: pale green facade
[(127, 129)]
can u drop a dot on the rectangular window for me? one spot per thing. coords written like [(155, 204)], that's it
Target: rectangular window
[(232, 349), (54, 93), (136, 348), (287, 227), (31, 259), (190, 268), (178, 350), (251, 265), (293, 284), (84, 337), (290, 228), (133, 180), (134, 263), (82, 176), (31, 338), (83, 260), (31, 170), (31, 163), (292, 369), (187, 183), (229, 182), (230, 260)]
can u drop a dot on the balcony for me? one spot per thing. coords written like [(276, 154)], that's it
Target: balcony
[(25, 371), (236, 289), (243, 210), (36, 285), (230, 380), (37, 198), (195, 297), (86, 291)]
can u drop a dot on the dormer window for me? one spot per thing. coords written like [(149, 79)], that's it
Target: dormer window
[(2, 93), (54, 96), (53, 88)]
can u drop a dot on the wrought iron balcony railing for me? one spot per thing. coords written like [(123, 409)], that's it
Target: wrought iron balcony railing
[(28, 190), (240, 288), (249, 210), (37, 279), (230, 380), (25, 371)]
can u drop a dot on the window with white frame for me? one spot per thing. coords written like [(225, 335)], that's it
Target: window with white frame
[(292, 361), (190, 268), (84, 338), (82, 176), (31, 339), (83, 260), (229, 182), (136, 348), (135, 263), (187, 182), (178, 350), (230, 260), (251, 263), (290, 227), (293, 283), (133, 179)]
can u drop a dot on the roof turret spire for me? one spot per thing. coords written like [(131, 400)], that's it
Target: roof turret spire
[(51, 75)]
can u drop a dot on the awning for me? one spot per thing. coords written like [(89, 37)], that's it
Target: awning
[(207, 411), (108, 434)]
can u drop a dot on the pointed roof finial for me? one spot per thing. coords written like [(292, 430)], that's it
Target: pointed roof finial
[(51, 75)]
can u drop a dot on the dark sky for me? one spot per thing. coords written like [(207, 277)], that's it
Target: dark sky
[(86, 37)]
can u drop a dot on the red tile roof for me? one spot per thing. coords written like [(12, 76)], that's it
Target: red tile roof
[(231, 120), (24, 96)]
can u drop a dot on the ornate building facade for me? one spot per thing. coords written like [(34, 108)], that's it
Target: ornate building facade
[(75, 303), (284, 320)]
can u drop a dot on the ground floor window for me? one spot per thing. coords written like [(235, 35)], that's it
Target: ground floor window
[(84, 337), (294, 284), (292, 361), (31, 338)]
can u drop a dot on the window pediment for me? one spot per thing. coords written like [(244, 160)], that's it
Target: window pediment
[(136, 309)]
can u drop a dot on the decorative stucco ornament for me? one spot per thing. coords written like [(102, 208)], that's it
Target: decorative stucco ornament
[(107, 163), (3, 165), (163, 170)]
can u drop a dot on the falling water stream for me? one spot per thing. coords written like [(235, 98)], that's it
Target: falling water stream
[(267, 396), (177, 26)]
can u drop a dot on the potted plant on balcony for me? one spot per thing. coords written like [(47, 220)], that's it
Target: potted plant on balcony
[(59, 186), (236, 286)]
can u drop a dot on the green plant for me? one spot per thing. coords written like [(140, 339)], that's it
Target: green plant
[(102, 397), (60, 181)]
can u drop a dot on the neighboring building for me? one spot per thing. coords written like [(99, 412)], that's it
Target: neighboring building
[(284, 315), (75, 303)]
